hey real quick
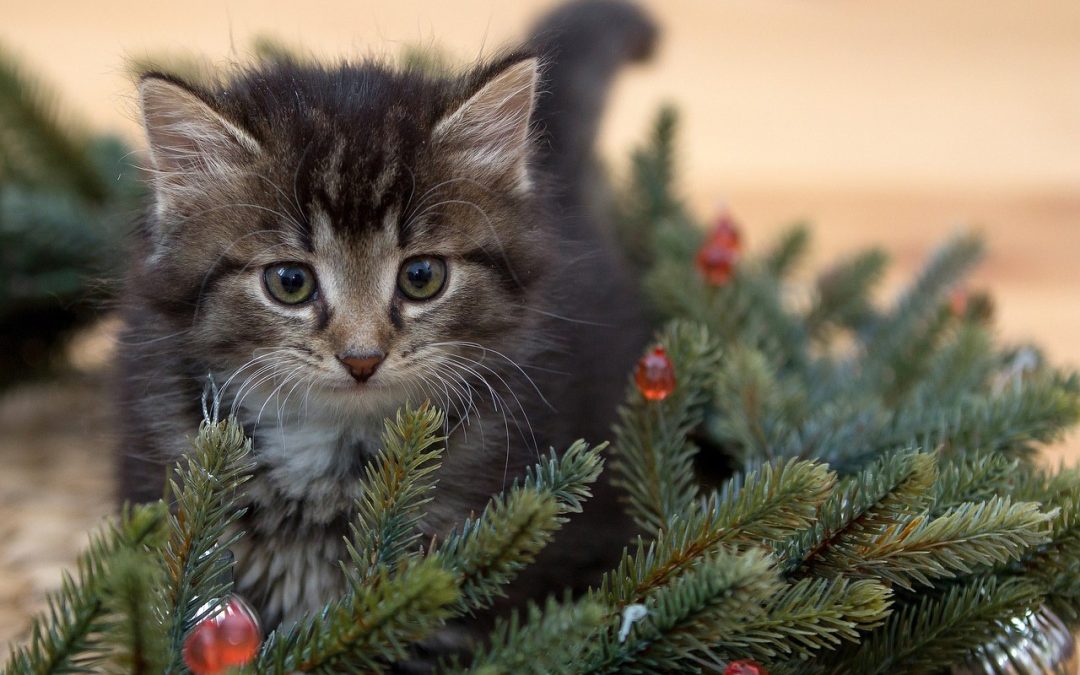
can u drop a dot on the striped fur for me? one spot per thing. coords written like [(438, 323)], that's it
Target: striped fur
[(351, 169)]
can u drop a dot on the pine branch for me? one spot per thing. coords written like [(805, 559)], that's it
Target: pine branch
[(895, 487), (675, 290), (920, 549), (912, 361), (37, 146), (134, 628), (962, 366), (67, 638), (808, 616), (1033, 411), (768, 324), (650, 205), (773, 502), (972, 477), (270, 49), (834, 425), (569, 476), (686, 618), (937, 631), (196, 560), (888, 348), (843, 293), (786, 253), (382, 612), (370, 627), (765, 506), (394, 489), (427, 59), (1056, 564), (551, 641), (754, 406), (486, 553), (654, 458)]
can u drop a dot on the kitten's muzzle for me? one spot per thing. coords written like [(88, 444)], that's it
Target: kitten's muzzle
[(361, 365)]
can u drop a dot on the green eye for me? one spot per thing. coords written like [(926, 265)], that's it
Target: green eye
[(290, 283), (422, 277)]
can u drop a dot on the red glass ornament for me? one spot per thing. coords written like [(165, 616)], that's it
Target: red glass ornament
[(655, 375), (726, 231), (227, 639), (716, 261), (201, 652), (745, 667), (239, 632)]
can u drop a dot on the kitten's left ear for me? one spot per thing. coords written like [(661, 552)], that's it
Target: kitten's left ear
[(489, 133)]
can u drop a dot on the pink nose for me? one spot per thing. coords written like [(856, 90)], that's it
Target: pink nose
[(361, 366)]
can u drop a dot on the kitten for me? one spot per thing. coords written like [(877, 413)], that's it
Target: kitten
[(328, 242)]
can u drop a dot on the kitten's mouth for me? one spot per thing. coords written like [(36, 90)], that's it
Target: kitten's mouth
[(355, 386)]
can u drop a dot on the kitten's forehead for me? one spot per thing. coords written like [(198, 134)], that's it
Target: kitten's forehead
[(357, 249), (354, 178), (373, 156)]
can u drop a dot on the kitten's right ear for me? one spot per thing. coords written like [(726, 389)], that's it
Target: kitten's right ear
[(188, 139)]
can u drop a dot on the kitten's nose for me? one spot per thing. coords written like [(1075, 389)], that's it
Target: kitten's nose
[(361, 365)]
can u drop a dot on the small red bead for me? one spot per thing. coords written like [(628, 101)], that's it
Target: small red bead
[(655, 375), (227, 639), (746, 667)]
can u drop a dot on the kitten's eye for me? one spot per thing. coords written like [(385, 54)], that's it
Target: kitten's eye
[(290, 283), (422, 277)]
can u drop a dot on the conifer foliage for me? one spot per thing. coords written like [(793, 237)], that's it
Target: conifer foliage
[(831, 487), (66, 197)]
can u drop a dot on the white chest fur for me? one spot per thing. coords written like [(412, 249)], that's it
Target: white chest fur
[(307, 480), (311, 458)]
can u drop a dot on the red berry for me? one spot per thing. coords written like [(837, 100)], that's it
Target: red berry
[(655, 375), (224, 640), (745, 667)]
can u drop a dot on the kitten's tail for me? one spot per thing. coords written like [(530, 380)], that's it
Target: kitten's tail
[(583, 43)]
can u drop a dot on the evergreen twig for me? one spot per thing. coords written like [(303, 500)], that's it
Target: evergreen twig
[(395, 487), (554, 640), (67, 638), (654, 457), (206, 488)]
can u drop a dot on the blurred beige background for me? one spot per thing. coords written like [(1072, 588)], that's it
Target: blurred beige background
[(889, 122)]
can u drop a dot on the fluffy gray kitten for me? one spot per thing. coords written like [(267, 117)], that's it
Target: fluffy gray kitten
[(328, 242)]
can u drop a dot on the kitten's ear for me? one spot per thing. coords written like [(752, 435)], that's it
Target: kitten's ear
[(490, 131), (187, 137)]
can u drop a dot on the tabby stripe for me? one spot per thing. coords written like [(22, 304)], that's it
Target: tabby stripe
[(496, 263), (224, 267), (325, 313), (395, 314)]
